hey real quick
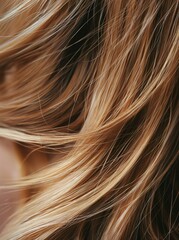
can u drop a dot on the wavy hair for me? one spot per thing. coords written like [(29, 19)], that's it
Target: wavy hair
[(93, 88)]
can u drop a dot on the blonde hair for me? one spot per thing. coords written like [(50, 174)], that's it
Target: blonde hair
[(93, 83)]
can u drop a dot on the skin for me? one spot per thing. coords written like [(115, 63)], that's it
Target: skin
[(15, 162), (10, 170)]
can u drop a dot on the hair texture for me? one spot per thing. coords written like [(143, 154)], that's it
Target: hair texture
[(94, 86)]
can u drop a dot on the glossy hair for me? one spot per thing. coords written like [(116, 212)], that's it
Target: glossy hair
[(93, 83)]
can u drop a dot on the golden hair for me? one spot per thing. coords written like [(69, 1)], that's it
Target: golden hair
[(93, 87)]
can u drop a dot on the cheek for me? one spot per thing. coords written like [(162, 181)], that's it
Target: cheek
[(10, 170)]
